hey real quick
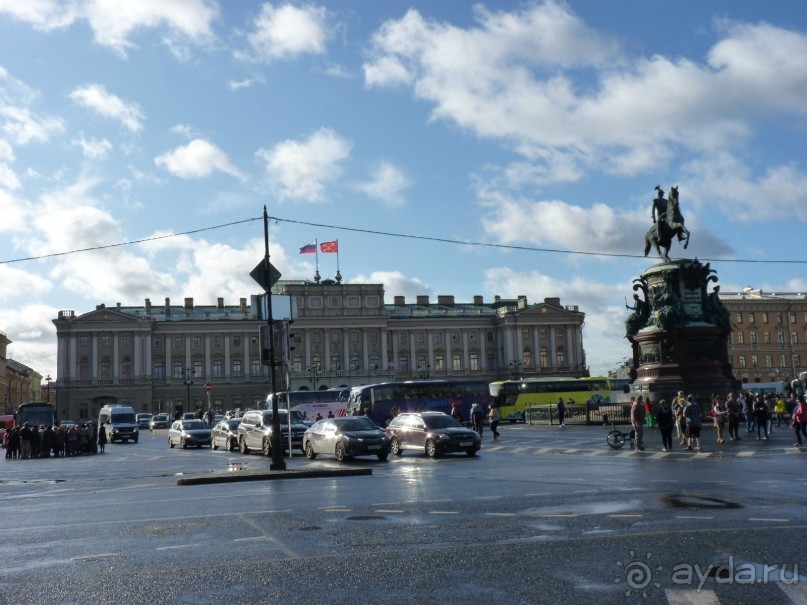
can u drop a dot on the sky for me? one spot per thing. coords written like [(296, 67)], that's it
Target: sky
[(500, 148)]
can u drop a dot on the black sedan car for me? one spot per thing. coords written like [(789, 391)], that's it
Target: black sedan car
[(346, 437), (188, 432), (225, 434), (432, 432)]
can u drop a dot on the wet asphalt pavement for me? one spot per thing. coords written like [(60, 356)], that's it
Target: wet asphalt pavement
[(543, 515)]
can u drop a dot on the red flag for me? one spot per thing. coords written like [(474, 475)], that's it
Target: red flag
[(330, 246)]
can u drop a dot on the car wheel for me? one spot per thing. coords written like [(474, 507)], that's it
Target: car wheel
[(135, 439), (383, 456), (340, 452), (395, 447), (267, 446), (213, 444), (471, 452), (309, 451), (431, 448), (242, 444), (170, 443), (182, 444)]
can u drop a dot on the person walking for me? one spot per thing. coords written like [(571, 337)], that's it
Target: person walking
[(692, 417), (665, 420), (560, 406), (477, 418), (25, 441), (720, 415), (735, 412), (650, 417), (761, 416), (102, 437), (799, 421), (747, 400), (678, 414), (14, 442), (779, 408), (637, 419), (493, 420)]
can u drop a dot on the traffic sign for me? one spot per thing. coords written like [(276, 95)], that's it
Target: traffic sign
[(208, 387), (265, 278)]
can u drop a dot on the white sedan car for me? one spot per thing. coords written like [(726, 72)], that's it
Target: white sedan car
[(189, 432)]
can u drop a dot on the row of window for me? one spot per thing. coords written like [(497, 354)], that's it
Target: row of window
[(766, 317), (753, 337), (769, 361), (104, 340), (335, 302)]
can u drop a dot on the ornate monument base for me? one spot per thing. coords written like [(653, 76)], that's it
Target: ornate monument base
[(679, 333)]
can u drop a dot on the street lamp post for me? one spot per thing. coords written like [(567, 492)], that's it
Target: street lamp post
[(47, 386), (189, 374)]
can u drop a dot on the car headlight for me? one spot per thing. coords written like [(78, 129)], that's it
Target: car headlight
[(441, 436)]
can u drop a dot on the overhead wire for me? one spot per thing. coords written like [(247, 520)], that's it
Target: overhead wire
[(442, 240)]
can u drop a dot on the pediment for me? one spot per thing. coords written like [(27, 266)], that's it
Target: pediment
[(105, 315)]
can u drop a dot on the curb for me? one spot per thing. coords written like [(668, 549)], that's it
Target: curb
[(238, 476)]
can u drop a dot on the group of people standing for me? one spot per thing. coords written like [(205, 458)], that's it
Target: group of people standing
[(32, 441), (685, 416)]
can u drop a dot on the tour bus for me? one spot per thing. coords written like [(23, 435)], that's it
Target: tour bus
[(764, 388), (378, 400), (311, 403), (513, 396), (37, 413)]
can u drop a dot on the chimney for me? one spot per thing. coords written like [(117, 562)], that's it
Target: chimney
[(445, 300), (101, 306), (118, 305), (399, 301), (189, 303), (522, 301), (478, 301), (148, 306), (497, 298), (167, 304), (423, 300), (221, 303), (243, 302), (552, 301)]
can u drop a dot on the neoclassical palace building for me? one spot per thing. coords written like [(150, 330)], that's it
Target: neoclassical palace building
[(326, 334)]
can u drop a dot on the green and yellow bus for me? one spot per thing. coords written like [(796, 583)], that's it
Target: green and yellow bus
[(513, 396)]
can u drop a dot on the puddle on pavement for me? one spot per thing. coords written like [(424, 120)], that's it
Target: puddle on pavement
[(34, 481), (691, 501)]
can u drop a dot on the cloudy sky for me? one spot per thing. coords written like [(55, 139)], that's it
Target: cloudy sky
[(538, 129)]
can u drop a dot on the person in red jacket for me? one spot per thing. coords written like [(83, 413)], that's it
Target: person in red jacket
[(799, 422)]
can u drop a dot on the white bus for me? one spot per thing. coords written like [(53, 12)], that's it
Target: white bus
[(763, 388), (311, 403)]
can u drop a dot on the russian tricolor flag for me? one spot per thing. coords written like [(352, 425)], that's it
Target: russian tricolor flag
[(309, 248)]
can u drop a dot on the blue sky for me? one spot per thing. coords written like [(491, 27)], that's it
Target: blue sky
[(542, 125)]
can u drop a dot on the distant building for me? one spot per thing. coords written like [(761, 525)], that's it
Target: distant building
[(768, 341), (24, 384), (157, 358)]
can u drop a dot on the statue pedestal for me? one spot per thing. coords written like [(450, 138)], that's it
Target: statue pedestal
[(679, 333)]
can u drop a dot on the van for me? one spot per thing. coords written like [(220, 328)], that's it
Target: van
[(120, 423)]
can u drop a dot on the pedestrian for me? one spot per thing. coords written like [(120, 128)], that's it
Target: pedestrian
[(678, 414), (477, 418), (666, 420), (650, 420), (692, 417), (799, 420), (25, 441), (779, 408), (761, 416), (493, 419), (455, 414), (561, 408), (102, 437), (747, 401), (35, 441), (14, 442), (720, 416), (637, 420), (735, 413)]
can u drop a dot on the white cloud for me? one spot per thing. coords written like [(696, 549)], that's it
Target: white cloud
[(197, 159), (246, 82), (395, 284), (284, 32), (33, 334), (301, 170), (113, 23), (16, 213), (387, 185), (93, 148), (525, 77), (23, 127), (21, 285), (96, 97)]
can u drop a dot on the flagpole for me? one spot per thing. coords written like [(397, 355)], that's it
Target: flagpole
[(316, 252), (338, 274)]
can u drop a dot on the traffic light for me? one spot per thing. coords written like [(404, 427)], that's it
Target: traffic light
[(266, 345)]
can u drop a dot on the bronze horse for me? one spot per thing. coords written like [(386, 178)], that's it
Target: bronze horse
[(670, 224)]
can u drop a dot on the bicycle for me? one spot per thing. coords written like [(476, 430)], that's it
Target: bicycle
[(616, 438)]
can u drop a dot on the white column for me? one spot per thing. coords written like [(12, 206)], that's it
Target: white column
[(226, 369), (188, 344), (169, 363), (449, 355), (483, 354), (149, 348), (553, 358), (571, 354), (412, 353), (137, 348), (94, 357), (208, 360), (430, 345), (307, 352), (346, 348), (115, 357), (465, 357), (536, 339), (384, 352), (326, 363), (247, 367), (365, 349)]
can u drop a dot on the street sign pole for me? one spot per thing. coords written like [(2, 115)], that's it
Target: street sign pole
[(278, 463)]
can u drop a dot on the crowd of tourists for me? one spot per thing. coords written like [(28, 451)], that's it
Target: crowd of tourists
[(32, 441), (759, 414)]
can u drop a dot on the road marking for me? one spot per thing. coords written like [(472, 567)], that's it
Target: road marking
[(488, 497), (693, 517), (702, 455), (542, 450), (334, 509), (562, 516), (570, 451), (496, 448), (177, 546), (389, 511), (502, 514), (796, 592), (251, 538), (444, 512), (744, 454), (769, 519), (627, 516), (104, 555), (659, 456), (691, 597)]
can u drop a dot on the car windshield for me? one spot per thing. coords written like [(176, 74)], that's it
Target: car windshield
[(359, 423), (193, 424), (123, 418), (161, 417), (440, 422)]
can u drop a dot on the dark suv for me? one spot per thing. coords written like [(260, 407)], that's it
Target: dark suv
[(255, 432), (433, 432)]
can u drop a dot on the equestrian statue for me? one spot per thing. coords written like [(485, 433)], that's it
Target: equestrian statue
[(668, 222)]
